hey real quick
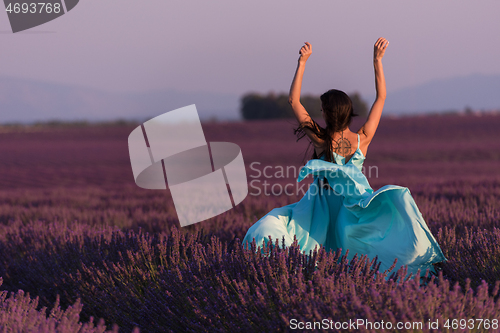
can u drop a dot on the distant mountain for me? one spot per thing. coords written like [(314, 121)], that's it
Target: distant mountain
[(474, 91), (26, 101)]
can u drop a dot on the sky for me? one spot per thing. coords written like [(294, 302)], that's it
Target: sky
[(228, 46)]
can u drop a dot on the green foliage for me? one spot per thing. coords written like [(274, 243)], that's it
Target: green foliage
[(255, 106), (271, 106)]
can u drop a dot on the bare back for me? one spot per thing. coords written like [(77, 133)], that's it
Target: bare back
[(345, 144)]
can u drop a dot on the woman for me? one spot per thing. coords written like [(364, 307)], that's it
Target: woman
[(340, 209)]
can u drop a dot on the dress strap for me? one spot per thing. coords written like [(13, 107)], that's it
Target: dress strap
[(358, 141)]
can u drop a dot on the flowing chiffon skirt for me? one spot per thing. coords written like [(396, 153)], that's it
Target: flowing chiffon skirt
[(348, 214)]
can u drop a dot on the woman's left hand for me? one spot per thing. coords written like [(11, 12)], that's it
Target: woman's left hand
[(305, 52), (379, 48)]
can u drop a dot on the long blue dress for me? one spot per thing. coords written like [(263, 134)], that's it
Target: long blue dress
[(348, 214)]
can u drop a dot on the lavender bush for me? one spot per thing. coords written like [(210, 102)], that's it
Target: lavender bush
[(18, 313)]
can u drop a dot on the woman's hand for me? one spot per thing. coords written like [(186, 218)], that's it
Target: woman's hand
[(305, 52), (379, 48)]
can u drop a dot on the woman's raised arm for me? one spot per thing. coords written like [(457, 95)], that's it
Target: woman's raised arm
[(299, 111), (371, 124), (294, 96)]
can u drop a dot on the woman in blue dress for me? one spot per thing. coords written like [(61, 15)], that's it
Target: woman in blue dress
[(340, 209)]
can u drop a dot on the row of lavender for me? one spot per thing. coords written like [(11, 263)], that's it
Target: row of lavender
[(195, 283), (115, 247)]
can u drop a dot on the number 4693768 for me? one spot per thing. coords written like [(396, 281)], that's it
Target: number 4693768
[(471, 324), (34, 8)]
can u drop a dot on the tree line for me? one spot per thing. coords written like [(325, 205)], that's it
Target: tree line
[(256, 106)]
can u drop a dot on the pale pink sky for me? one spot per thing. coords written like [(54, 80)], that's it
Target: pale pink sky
[(252, 45)]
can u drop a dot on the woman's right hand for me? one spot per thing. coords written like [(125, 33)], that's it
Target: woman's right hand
[(305, 52), (379, 48)]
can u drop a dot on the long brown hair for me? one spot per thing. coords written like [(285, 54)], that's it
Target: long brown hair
[(338, 110)]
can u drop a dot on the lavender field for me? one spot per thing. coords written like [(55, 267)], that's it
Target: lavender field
[(83, 249)]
